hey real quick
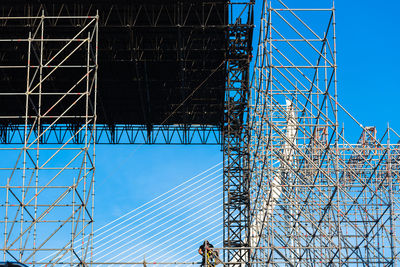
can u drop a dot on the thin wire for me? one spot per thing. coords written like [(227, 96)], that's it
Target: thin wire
[(169, 227), (155, 217), (144, 205), (166, 204), (173, 112), (153, 230), (175, 242), (169, 191), (182, 226), (191, 240)]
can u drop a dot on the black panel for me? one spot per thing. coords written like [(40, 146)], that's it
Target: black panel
[(152, 56)]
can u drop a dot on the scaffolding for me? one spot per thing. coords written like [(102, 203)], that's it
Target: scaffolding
[(236, 136), (162, 70), (317, 198), (295, 190), (205, 46), (47, 190)]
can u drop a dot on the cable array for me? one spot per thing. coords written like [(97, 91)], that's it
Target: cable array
[(170, 227)]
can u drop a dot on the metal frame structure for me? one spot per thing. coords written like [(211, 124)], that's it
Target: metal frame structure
[(47, 190), (296, 191), (162, 74), (236, 201), (122, 134), (318, 198), (57, 129)]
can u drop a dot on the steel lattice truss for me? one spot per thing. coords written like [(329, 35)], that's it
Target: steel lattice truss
[(318, 198), (50, 140), (235, 134), (47, 190)]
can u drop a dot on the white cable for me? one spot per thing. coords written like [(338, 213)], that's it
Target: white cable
[(183, 244), (184, 200), (171, 226), (152, 218), (190, 240), (161, 202), (145, 204), (190, 248), (154, 221), (135, 256), (179, 228), (154, 199), (158, 232), (170, 234), (165, 204), (186, 236), (144, 228)]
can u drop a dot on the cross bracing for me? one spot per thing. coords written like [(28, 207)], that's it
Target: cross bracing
[(318, 198), (134, 102), (167, 229), (47, 191), (298, 189)]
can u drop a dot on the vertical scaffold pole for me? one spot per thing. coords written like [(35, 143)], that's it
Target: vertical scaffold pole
[(236, 180)]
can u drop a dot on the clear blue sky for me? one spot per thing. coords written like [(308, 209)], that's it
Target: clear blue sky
[(368, 37), (368, 60)]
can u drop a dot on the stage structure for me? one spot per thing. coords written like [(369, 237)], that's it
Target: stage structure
[(48, 78), (295, 190), (80, 73), (318, 198)]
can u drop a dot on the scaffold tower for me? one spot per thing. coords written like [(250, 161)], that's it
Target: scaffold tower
[(293, 188), (80, 73), (47, 190), (318, 198)]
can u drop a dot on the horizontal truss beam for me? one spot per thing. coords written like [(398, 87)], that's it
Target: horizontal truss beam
[(119, 134)]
